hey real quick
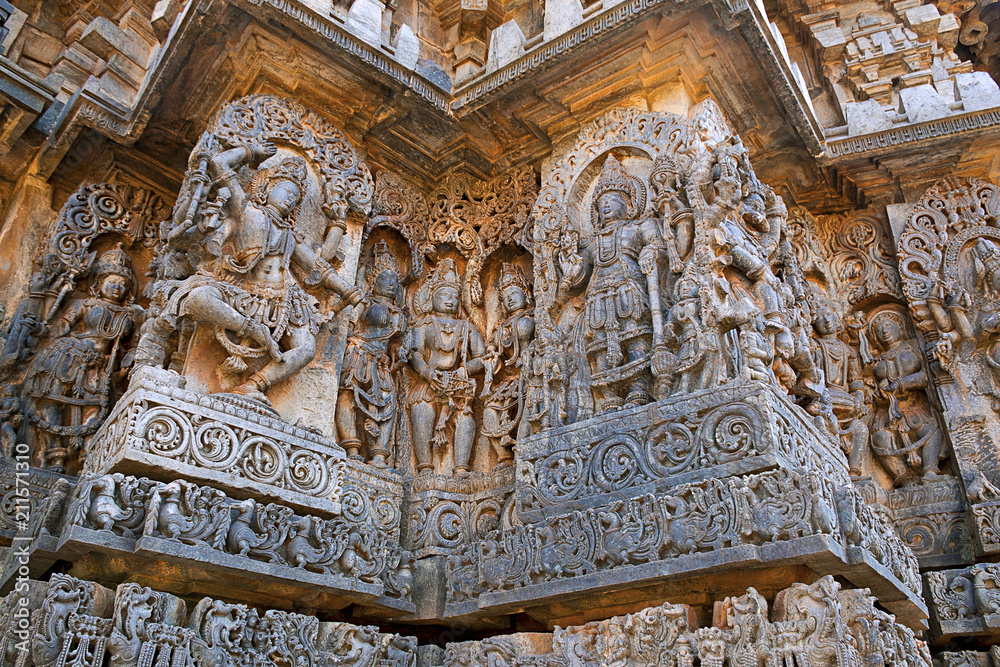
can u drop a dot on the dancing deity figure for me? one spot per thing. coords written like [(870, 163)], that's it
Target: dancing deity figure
[(376, 349), (509, 355), (446, 352), (251, 296), (843, 406), (69, 387), (905, 435), (620, 261)]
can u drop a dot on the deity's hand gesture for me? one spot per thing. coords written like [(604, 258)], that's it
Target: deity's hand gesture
[(261, 151), (336, 210), (647, 260)]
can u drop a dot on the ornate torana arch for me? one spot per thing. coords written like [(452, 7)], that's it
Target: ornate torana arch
[(344, 178), (95, 210), (949, 216)]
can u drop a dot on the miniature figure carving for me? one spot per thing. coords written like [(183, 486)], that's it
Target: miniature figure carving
[(509, 357), (446, 352), (905, 435), (844, 407), (376, 349), (69, 387), (696, 362), (620, 261), (255, 306)]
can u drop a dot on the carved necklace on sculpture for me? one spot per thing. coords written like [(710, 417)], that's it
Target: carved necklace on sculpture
[(447, 334), (105, 319)]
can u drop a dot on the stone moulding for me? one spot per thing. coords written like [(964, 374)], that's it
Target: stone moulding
[(965, 602), (772, 519), (731, 430), (352, 45), (77, 622), (819, 625), (910, 134), (165, 432), (445, 512), (928, 517), (198, 528)]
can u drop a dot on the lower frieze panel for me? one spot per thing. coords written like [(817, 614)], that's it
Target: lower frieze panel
[(766, 523)]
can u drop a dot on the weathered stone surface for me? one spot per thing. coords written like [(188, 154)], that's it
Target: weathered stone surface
[(483, 317)]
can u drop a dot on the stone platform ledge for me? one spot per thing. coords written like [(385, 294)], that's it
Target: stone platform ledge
[(160, 430), (141, 626), (735, 429), (927, 516), (965, 602), (725, 569), (447, 512), (171, 566), (777, 518)]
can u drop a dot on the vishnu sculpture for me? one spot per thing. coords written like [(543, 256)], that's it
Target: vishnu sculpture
[(447, 351), (618, 265)]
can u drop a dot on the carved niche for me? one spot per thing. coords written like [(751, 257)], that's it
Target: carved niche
[(458, 372), (245, 277), (661, 266), (70, 339), (949, 259)]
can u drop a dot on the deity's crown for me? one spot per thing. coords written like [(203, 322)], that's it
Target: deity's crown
[(384, 259), (512, 275), (614, 178), (114, 262), (292, 169), (753, 186), (445, 275), (989, 255)]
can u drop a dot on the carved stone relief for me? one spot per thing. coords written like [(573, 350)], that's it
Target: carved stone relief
[(69, 343)]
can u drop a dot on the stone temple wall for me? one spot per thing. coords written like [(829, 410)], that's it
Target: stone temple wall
[(437, 334)]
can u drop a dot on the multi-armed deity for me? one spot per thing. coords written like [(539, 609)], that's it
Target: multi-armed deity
[(447, 351), (376, 349), (69, 388), (246, 294), (618, 264)]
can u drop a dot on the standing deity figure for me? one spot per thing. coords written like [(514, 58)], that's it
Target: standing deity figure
[(69, 387), (509, 357), (843, 406), (376, 349), (905, 435), (696, 363), (620, 260), (446, 352), (252, 297)]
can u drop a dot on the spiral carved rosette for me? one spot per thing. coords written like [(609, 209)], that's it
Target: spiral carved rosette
[(447, 515), (733, 430), (200, 438)]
